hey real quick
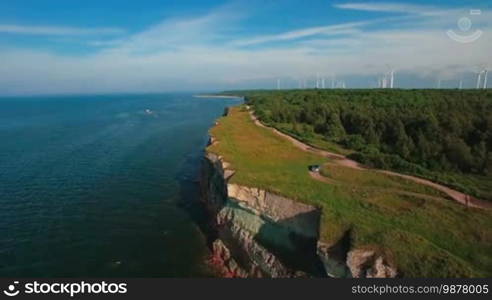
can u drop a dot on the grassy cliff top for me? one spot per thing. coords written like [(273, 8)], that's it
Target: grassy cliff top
[(428, 235)]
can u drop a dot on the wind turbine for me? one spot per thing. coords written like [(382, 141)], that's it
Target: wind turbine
[(479, 79), (278, 84), (389, 77), (486, 73), (392, 79), (385, 81)]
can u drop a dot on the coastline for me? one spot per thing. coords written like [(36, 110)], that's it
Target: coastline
[(257, 234), (244, 209), (217, 96)]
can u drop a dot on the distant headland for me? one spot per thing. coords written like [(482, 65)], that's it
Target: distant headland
[(217, 96)]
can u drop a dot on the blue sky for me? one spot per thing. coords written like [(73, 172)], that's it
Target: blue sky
[(59, 46)]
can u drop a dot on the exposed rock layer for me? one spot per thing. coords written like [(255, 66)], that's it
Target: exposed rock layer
[(261, 234)]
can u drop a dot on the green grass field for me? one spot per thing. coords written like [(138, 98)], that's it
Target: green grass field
[(429, 236), (366, 180), (315, 140), (441, 135)]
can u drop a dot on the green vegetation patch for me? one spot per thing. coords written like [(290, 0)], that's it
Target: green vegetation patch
[(442, 135), (428, 235)]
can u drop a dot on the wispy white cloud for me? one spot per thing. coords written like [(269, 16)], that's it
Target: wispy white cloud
[(57, 30), (338, 29), (172, 34), (418, 14), (176, 33), (392, 8)]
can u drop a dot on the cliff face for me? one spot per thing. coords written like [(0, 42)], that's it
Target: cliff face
[(261, 234)]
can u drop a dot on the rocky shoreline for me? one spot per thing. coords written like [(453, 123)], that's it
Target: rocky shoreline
[(261, 234)]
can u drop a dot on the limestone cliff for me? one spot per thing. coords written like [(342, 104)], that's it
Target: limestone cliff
[(261, 234)]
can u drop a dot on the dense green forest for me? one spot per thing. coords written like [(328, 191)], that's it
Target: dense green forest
[(443, 135)]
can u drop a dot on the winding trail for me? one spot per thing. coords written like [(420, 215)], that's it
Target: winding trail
[(346, 162)]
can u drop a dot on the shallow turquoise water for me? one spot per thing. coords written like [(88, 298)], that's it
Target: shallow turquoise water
[(98, 186)]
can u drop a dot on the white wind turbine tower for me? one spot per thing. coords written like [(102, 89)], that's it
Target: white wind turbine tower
[(479, 79), (486, 73), (388, 80), (278, 84), (392, 78), (482, 69), (384, 81), (341, 84)]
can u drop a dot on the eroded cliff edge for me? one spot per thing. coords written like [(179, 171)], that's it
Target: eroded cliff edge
[(261, 234)]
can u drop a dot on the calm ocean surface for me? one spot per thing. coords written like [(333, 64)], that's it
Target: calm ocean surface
[(98, 186)]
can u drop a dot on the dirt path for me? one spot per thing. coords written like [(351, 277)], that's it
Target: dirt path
[(344, 161)]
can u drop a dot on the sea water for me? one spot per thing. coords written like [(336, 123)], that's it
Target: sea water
[(103, 185)]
